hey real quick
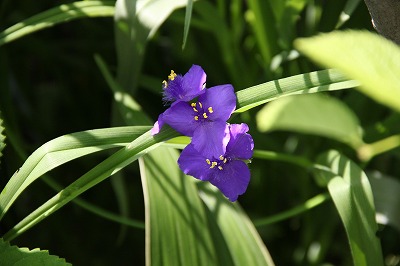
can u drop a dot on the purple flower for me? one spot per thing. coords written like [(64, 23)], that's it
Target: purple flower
[(228, 172), (179, 88), (205, 119), (185, 88)]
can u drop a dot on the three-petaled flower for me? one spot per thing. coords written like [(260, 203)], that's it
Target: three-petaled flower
[(218, 151), (228, 172)]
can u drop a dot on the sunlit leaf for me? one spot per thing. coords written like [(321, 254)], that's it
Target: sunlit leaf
[(351, 192), (177, 231), (235, 236), (312, 114), (56, 15), (2, 137), (360, 55)]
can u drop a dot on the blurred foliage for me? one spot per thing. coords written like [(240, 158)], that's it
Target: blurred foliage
[(51, 85)]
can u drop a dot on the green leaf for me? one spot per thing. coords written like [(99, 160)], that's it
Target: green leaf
[(351, 192), (387, 199), (312, 114), (61, 150), (15, 256), (235, 236), (176, 224), (113, 164), (360, 55), (188, 17), (348, 10), (57, 15), (324, 80), (136, 22)]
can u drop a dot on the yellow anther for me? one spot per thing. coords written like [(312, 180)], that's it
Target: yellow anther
[(225, 160), (210, 110), (220, 168), (205, 115), (193, 104), (194, 109), (208, 161), (196, 118), (165, 83), (172, 75), (213, 164), (221, 157), (201, 105)]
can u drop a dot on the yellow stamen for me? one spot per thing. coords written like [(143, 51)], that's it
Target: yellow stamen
[(201, 105), (172, 75), (225, 160), (205, 115), (208, 161), (194, 109), (193, 104), (210, 110), (213, 164), (165, 83), (221, 157), (196, 118), (220, 168)]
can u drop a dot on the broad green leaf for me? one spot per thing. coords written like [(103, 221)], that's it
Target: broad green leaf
[(324, 80), (360, 55), (61, 150), (177, 231), (113, 164), (351, 193), (15, 256), (237, 240), (312, 114), (387, 199), (57, 15)]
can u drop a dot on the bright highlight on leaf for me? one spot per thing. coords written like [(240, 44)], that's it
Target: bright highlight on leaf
[(312, 114), (361, 55)]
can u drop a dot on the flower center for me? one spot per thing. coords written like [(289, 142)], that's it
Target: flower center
[(201, 112), (217, 163)]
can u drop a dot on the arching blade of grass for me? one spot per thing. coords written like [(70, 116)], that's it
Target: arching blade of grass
[(188, 17), (360, 55), (60, 151), (348, 10), (134, 150), (237, 240), (324, 80), (56, 15), (177, 231), (352, 195)]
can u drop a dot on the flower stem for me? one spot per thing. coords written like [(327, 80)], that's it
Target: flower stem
[(275, 156), (368, 151), (306, 206)]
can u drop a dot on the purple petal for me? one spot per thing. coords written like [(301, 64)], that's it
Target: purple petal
[(157, 125), (191, 162), (222, 99), (193, 83), (211, 138), (241, 144), (187, 87), (232, 180), (180, 116)]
